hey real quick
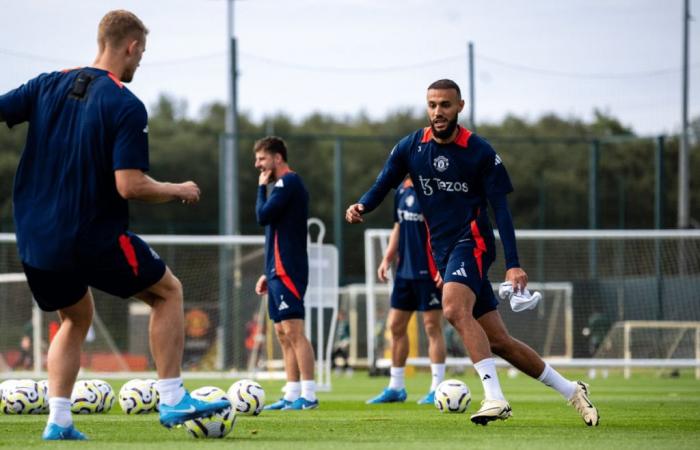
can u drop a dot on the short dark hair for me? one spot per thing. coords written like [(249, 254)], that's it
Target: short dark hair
[(271, 144), (118, 25), (446, 84)]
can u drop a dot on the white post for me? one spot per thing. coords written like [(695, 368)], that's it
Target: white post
[(697, 352), (628, 352), (36, 338), (369, 282)]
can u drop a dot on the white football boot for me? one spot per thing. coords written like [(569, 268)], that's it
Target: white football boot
[(583, 404), (492, 410)]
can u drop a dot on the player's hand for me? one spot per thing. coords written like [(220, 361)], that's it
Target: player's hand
[(264, 178), (383, 270), (518, 278), (189, 192), (354, 213), (439, 283), (261, 285)]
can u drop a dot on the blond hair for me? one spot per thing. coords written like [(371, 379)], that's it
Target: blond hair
[(118, 25)]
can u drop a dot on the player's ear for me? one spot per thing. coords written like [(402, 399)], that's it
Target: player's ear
[(461, 105), (131, 48)]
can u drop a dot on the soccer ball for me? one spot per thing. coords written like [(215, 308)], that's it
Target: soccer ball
[(151, 382), (4, 388), (23, 397), (136, 397), (85, 398), (44, 386), (107, 396), (452, 396), (248, 397), (216, 426)]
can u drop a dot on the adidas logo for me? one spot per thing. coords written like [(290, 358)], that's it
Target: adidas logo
[(434, 301), (460, 272), (486, 377), (282, 306), (279, 183)]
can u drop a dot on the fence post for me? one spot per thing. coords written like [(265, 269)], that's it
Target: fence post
[(338, 204), (593, 162)]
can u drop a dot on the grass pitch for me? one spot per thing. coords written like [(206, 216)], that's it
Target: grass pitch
[(647, 411)]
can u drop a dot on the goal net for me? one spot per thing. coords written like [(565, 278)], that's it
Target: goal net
[(611, 299), (227, 330)]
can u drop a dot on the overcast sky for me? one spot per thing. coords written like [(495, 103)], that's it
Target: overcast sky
[(346, 56)]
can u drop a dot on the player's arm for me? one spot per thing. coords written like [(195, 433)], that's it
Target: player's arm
[(506, 230), (261, 285), (268, 210), (134, 184), (391, 175), (16, 105), (390, 254)]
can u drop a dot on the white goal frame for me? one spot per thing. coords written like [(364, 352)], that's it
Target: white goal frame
[(627, 362)]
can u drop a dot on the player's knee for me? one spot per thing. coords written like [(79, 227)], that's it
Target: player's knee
[(453, 313), (432, 328), (398, 330)]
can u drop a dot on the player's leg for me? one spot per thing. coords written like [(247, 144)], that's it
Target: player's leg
[(397, 323), (292, 390), (430, 305), (68, 294), (304, 354), (465, 277), (63, 364), (524, 358), (432, 322), (130, 268)]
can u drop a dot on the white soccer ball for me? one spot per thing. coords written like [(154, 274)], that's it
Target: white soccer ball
[(151, 382), (247, 396), (108, 397), (452, 396), (23, 397), (137, 397), (4, 388), (216, 426), (85, 398), (44, 386)]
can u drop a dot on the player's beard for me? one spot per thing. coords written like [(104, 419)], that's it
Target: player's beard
[(447, 132)]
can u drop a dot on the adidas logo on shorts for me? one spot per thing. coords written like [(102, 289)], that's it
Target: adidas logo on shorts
[(460, 272), (282, 306)]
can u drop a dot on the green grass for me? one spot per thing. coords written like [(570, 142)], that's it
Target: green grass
[(647, 411)]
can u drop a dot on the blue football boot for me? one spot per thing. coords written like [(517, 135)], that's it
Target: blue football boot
[(389, 395), (429, 399), (279, 404), (55, 432), (301, 403), (189, 408)]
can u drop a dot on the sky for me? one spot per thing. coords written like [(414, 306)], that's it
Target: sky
[(345, 57)]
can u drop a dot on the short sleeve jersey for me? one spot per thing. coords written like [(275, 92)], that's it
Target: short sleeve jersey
[(65, 196), (284, 214), (453, 183), (415, 259)]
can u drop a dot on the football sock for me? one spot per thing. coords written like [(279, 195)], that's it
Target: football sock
[(171, 390), (486, 368), (308, 390), (438, 371), (396, 382), (292, 391), (553, 379), (59, 411)]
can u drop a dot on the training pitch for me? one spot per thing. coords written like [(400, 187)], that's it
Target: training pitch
[(651, 410)]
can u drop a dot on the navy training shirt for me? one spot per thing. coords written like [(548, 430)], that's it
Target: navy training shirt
[(65, 196), (284, 214), (453, 182), (415, 258)]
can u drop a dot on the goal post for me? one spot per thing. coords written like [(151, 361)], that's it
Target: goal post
[(596, 284)]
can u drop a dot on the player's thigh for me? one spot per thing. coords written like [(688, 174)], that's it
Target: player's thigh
[(283, 303), (467, 266), (125, 267), (53, 290), (81, 312)]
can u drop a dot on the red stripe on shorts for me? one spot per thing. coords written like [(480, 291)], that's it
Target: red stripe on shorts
[(282, 273), (129, 253)]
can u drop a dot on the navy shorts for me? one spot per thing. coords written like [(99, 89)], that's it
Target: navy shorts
[(415, 295), (468, 264), (123, 269), (282, 303)]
